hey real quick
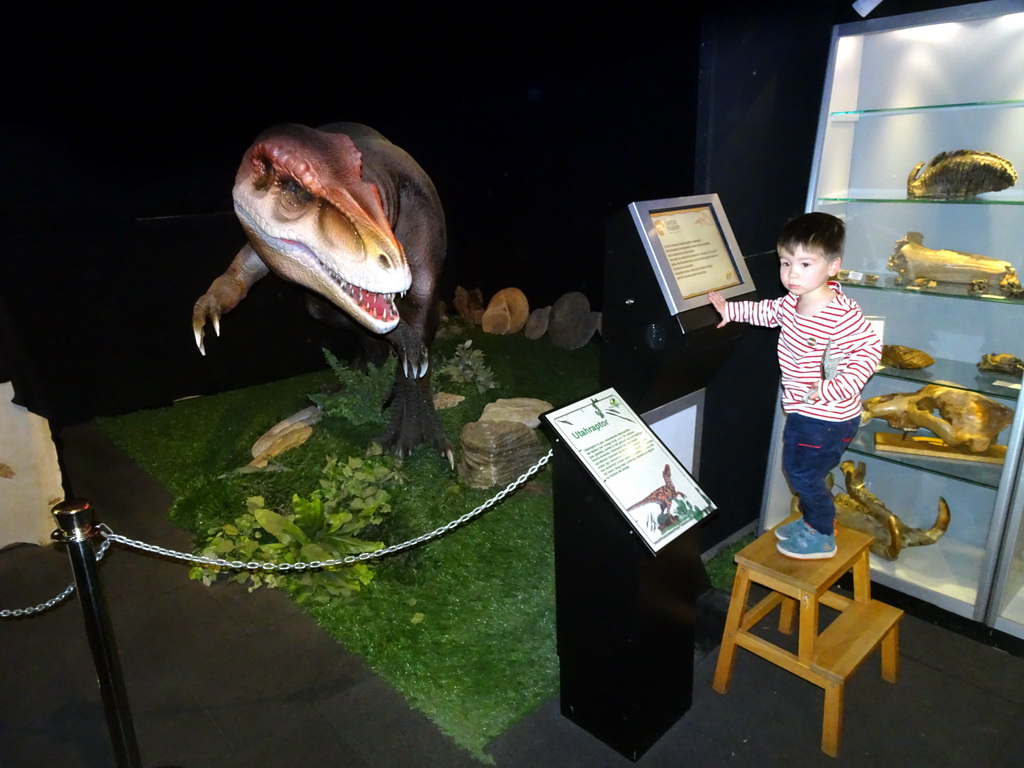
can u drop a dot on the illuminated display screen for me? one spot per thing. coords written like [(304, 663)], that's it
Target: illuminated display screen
[(692, 250)]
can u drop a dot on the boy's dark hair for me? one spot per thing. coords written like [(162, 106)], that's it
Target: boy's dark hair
[(819, 232)]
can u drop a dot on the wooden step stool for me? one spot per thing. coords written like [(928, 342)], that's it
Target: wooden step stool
[(828, 659)]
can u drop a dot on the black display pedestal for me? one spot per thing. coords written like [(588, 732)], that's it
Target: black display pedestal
[(625, 617), (652, 358)]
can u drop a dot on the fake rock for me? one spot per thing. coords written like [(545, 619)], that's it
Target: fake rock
[(468, 303), (494, 453), (286, 434), (444, 400), (525, 410), (507, 312), (30, 474), (537, 323), (571, 323)]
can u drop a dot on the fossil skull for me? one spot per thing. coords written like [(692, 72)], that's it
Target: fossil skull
[(965, 420)]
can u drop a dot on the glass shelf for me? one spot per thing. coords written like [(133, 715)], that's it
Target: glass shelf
[(946, 290), (974, 472), (841, 116), (958, 375), (900, 196), (944, 573), (897, 92)]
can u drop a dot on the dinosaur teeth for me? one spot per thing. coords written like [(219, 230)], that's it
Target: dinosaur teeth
[(380, 306)]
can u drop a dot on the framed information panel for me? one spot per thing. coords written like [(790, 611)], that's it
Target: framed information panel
[(647, 484), (692, 250)]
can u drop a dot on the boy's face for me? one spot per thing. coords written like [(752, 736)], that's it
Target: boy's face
[(804, 271)]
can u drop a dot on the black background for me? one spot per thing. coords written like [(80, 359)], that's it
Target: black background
[(122, 130)]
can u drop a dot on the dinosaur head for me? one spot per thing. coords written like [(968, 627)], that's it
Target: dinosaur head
[(300, 196)]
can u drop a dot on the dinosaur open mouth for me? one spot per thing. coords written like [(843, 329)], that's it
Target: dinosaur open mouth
[(378, 305), (378, 309)]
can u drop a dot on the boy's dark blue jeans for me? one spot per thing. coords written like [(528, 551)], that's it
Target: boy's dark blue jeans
[(811, 448)]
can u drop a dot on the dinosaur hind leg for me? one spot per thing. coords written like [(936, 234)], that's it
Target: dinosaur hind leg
[(412, 418)]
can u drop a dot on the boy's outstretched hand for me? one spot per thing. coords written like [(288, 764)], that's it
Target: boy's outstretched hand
[(718, 303)]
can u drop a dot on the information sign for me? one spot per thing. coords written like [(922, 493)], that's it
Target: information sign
[(648, 485)]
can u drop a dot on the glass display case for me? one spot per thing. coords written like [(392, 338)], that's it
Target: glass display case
[(898, 92)]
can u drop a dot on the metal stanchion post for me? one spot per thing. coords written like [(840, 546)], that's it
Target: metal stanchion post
[(75, 529)]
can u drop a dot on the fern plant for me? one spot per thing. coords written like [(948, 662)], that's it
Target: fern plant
[(321, 526), (359, 394), (467, 366)]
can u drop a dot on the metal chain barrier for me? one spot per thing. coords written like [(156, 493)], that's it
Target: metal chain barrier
[(19, 612), (109, 536), (238, 565)]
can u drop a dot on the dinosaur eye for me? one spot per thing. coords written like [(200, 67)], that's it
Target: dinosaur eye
[(295, 193)]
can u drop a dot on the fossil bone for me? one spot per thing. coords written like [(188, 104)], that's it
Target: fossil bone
[(961, 174), (861, 510), (967, 421), (898, 356), (1002, 363), (912, 261)]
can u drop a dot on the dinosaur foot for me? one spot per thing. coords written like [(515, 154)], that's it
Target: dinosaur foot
[(413, 420)]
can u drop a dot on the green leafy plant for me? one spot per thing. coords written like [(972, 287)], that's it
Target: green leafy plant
[(450, 326), (359, 393), (483, 655), (321, 526), (468, 366)]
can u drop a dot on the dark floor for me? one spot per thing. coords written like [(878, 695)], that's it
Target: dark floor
[(221, 677)]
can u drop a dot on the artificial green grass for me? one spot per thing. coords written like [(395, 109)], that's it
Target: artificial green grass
[(721, 568), (462, 625)]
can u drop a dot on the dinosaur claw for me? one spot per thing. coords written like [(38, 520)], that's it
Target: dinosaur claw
[(198, 332), (450, 456), (216, 325)]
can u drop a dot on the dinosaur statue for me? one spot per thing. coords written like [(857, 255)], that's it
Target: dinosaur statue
[(353, 218)]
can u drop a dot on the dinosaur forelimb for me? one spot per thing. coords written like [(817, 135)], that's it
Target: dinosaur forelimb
[(225, 292)]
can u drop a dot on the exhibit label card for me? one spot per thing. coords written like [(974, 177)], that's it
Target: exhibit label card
[(652, 490), (697, 254)]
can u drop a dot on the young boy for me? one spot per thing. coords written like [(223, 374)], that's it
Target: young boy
[(827, 352)]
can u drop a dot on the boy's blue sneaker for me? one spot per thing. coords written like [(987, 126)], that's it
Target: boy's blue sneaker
[(789, 530), (808, 544)]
